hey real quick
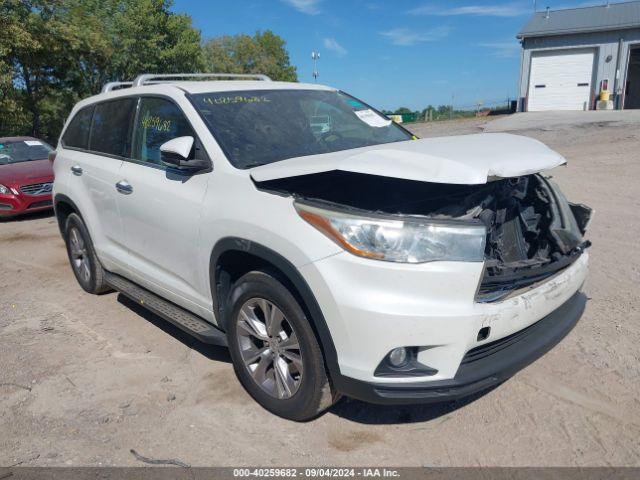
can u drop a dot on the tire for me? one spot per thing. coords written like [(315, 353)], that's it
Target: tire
[(82, 256), (288, 381)]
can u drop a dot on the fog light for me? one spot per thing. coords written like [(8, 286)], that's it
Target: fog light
[(398, 357)]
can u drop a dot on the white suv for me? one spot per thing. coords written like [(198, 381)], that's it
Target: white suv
[(329, 248)]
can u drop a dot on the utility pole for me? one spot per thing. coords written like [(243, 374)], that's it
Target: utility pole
[(315, 56), (451, 109)]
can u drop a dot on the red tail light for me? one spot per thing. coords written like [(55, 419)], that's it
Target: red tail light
[(52, 156)]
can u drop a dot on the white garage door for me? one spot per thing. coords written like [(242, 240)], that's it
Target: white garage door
[(560, 80)]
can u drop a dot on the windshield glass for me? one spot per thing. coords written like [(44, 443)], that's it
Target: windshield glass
[(265, 126), (23, 151)]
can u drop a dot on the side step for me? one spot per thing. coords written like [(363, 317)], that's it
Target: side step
[(181, 318)]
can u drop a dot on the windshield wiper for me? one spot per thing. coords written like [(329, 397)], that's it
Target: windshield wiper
[(254, 164)]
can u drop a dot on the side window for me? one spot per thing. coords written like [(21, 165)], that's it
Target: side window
[(111, 127), (159, 121), (77, 133)]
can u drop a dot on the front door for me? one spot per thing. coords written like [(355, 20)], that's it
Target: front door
[(160, 208)]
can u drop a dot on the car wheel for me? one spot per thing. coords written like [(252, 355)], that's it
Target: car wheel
[(84, 262), (275, 352)]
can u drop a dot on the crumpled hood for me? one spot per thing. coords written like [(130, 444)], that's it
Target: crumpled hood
[(465, 159)]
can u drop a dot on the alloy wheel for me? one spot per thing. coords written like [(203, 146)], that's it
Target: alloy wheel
[(79, 254), (269, 347)]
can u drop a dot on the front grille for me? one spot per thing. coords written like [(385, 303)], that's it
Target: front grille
[(44, 203), (37, 188), (495, 288)]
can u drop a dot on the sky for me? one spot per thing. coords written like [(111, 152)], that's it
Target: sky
[(391, 53)]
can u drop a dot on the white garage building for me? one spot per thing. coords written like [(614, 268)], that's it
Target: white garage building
[(568, 56)]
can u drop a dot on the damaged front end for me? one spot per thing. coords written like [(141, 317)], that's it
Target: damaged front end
[(532, 232)]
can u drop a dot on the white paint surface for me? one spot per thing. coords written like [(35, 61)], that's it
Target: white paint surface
[(560, 80), (466, 159)]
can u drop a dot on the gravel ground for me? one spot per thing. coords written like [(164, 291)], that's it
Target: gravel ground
[(84, 379)]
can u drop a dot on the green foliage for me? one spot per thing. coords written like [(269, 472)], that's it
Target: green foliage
[(54, 52), (445, 112), (150, 38), (29, 30), (265, 52), (427, 113)]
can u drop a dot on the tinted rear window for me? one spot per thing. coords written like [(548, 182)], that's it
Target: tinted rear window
[(77, 133), (111, 127)]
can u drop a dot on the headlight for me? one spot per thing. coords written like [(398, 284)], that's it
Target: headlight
[(4, 190), (403, 240)]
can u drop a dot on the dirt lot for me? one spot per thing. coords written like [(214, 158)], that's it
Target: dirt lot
[(84, 379)]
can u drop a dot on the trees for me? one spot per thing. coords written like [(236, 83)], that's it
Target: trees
[(263, 52), (427, 113), (444, 110), (55, 52), (58, 51), (30, 36), (148, 37)]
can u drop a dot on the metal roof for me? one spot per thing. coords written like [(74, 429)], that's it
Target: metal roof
[(615, 16)]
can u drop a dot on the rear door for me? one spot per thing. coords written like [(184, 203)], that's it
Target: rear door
[(95, 146), (160, 208), (561, 80)]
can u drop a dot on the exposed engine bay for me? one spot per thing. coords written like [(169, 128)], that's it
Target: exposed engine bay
[(532, 231)]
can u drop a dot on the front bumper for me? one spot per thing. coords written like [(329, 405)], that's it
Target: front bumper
[(372, 307), (481, 368), (18, 204)]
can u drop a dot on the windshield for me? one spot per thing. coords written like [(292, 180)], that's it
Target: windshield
[(16, 151), (265, 126)]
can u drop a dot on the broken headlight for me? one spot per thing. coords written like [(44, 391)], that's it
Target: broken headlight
[(399, 239)]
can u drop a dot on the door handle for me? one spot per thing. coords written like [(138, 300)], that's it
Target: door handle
[(77, 170), (124, 187)]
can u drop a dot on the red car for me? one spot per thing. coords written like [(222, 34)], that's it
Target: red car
[(26, 175)]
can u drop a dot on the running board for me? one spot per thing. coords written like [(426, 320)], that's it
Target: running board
[(181, 318)]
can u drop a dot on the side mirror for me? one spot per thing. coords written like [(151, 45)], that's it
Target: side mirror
[(176, 152), (185, 154)]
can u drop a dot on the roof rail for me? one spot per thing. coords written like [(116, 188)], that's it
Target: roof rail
[(150, 78), (108, 87)]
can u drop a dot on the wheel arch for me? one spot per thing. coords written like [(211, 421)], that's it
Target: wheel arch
[(232, 257), (63, 206)]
